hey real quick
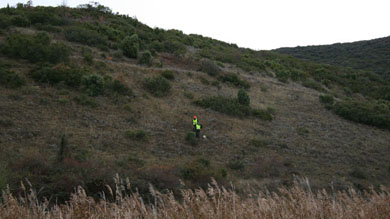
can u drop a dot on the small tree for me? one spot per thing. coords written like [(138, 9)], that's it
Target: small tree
[(93, 84), (243, 97), (130, 46), (146, 59)]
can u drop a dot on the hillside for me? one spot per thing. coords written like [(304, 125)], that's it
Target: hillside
[(370, 55), (86, 94)]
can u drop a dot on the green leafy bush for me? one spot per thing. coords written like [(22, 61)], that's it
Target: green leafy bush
[(225, 105), (35, 48), (20, 21), (190, 138), (130, 46), (93, 84), (173, 46), (118, 87), (262, 114), (326, 99), (85, 36), (209, 67), (5, 21), (158, 86), (374, 113), (168, 74), (243, 97), (235, 80), (10, 79), (236, 164), (136, 134), (86, 101), (146, 58), (69, 75)]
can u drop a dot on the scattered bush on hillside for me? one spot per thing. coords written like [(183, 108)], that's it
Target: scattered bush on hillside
[(158, 86), (210, 67), (283, 76), (20, 21), (243, 97), (138, 135), (374, 113), (168, 74), (236, 164), (174, 47), (326, 99), (69, 75), (190, 138), (35, 48), (85, 36), (85, 101), (10, 79), (262, 114), (93, 84), (117, 86), (313, 85), (199, 171), (235, 80), (358, 173), (130, 46), (146, 59)]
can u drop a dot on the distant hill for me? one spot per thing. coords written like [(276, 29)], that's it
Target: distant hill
[(372, 55)]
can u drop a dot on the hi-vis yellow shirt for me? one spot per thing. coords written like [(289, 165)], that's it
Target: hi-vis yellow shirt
[(194, 121)]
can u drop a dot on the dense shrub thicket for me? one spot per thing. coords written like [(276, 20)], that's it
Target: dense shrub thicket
[(69, 75), (376, 113), (130, 46), (158, 86), (235, 80), (35, 48), (85, 36)]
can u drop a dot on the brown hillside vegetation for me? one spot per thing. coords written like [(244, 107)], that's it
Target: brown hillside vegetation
[(215, 202)]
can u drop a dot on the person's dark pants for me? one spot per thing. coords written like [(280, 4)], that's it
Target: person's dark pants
[(194, 128), (197, 132)]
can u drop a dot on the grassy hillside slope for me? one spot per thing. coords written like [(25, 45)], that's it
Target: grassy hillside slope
[(371, 55), (86, 94)]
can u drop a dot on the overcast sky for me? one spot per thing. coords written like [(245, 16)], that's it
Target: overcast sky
[(261, 24)]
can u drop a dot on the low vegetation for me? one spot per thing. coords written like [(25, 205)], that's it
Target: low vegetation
[(158, 86), (213, 202)]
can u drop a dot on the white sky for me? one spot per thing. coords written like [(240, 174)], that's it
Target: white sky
[(261, 24)]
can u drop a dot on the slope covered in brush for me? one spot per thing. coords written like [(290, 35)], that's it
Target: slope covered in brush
[(370, 55), (86, 94)]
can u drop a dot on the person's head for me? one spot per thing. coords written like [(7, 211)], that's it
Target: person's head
[(194, 117)]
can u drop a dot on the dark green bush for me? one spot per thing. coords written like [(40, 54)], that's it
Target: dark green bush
[(313, 85), (5, 21), (235, 80), (42, 16), (236, 164), (175, 47), (190, 138), (262, 114), (283, 76), (146, 58), (168, 74), (85, 36), (130, 46), (158, 86), (209, 67), (10, 79), (243, 97), (358, 173), (374, 113), (225, 105), (93, 84), (35, 48), (326, 99), (69, 75), (136, 134), (118, 87), (20, 21), (199, 171), (86, 101)]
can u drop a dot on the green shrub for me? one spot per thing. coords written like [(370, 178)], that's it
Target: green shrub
[(118, 87), (175, 47), (190, 138), (20, 21), (35, 48), (283, 76), (243, 97), (136, 134), (85, 36), (158, 86), (313, 85), (235, 80), (146, 58), (374, 113), (69, 75), (93, 84), (10, 79), (5, 21), (326, 99), (236, 164), (209, 67), (199, 171), (358, 173), (168, 74), (86, 101), (204, 81), (262, 114), (130, 46), (225, 105)]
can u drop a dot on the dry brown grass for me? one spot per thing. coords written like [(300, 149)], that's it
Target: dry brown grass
[(215, 202)]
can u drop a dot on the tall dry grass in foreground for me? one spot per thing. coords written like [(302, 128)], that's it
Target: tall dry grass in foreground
[(217, 202)]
